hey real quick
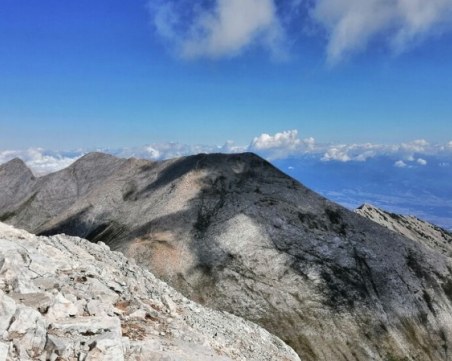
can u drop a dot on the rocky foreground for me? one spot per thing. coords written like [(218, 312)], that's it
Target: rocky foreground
[(64, 298)]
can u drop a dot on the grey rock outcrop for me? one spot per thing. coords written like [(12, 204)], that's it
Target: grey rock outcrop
[(64, 298), (418, 230), (16, 181), (234, 233)]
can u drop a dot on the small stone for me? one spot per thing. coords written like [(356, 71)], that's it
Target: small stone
[(61, 308), (28, 332), (170, 305)]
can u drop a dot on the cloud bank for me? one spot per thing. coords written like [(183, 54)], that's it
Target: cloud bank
[(281, 145), (225, 28)]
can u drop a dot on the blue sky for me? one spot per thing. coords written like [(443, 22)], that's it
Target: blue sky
[(105, 74), (351, 97)]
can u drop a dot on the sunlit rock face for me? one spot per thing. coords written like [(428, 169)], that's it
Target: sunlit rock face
[(234, 233), (422, 232)]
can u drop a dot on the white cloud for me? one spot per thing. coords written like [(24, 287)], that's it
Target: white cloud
[(339, 153), (287, 139), (421, 161), (352, 152), (230, 147), (447, 148), (351, 24), (281, 145), (309, 143), (400, 164), (408, 152), (225, 28), (419, 145), (153, 153), (160, 151)]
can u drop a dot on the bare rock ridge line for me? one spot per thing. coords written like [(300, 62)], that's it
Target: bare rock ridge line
[(234, 233), (64, 298), (416, 229)]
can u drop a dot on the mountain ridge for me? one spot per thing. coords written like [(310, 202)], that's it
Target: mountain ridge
[(411, 227), (234, 233)]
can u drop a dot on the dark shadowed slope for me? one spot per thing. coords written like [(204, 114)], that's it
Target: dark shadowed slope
[(235, 233), (16, 181)]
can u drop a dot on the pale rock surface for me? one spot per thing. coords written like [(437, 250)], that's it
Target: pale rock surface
[(418, 230), (64, 298)]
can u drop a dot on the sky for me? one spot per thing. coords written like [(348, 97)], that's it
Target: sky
[(114, 73), (340, 94)]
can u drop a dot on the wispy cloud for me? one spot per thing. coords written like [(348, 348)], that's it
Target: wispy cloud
[(224, 28), (351, 24), (404, 152), (220, 28), (167, 150)]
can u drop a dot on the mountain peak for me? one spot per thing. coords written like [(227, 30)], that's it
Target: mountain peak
[(96, 165), (366, 206), (217, 159), (14, 165), (94, 157)]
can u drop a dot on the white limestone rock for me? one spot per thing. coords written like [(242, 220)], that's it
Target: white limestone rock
[(7, 311), (27, 333), (64, 298)]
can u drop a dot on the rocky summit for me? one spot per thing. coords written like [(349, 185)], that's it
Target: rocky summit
[(236, 234), (64, 298)]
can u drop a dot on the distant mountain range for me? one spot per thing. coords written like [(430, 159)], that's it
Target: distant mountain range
[(236, 234)]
